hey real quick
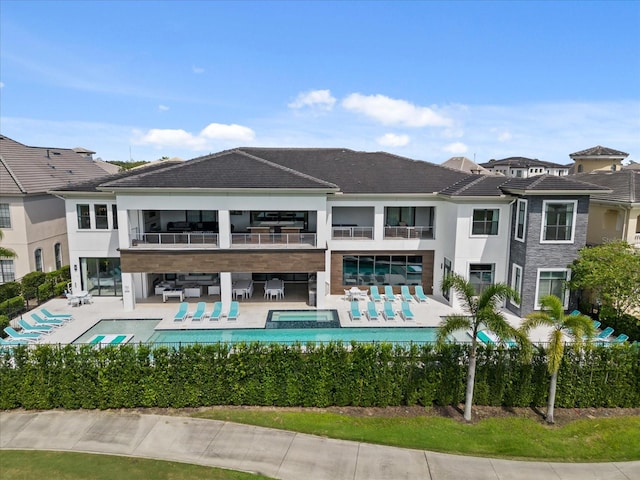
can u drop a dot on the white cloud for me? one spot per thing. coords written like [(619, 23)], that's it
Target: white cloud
[(455, 148), (316, 99), (179, 138), (1, 84), (163, 108), (393, 140), (197, 70), (390, 111)]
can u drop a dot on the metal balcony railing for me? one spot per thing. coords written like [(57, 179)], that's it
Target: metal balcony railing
[(352, 233), (181, 240), (279, 240), (408, 232)]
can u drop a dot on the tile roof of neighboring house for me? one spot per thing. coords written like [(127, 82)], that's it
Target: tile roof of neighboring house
[(599, 151), (466, 165), (28, 170), (624, 184), (632, 166), (550, 183), (520, 162), (108, 167), (320, 169)]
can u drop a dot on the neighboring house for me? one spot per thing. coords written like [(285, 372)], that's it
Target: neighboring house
[(615, 215), (33, 221), (597, 158), (466, 165), (523, 167), (329, 218)]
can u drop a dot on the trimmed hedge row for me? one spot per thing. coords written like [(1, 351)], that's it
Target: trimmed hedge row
[(49, 376)]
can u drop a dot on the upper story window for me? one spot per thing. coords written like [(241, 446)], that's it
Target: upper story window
[(485, 222), (38, 258), (481, 276), (84, 219), (114, 214), (558, 221), (521, 219), (7, 271), (102, 221), (5, 216), (57, 253)]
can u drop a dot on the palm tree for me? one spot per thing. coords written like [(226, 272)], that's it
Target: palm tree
[(5, 252), (575, 327), (482, 311)]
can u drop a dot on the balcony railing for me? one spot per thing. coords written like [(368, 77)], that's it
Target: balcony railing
[(178, 240), (352, 233), (276, 240), (637, 240), (408, 232)]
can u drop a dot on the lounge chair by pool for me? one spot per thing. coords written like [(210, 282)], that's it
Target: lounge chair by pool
[(406, 294), (15, 335), (234, 311), (110, 339), (12, 343), (60, 316), (27, 327), (388, 312), (405, 311), (52, 322), (388, 293), (372, 312), (375, 294), (182, 312), (620, 338), (420, 296), (198, 315), (354, 313), (216, 313), (606, 333)]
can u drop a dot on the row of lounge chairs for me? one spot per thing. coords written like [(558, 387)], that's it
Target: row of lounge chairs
[(31, 331), (605, 335), (388, 313), (201, 312), (405, 294)]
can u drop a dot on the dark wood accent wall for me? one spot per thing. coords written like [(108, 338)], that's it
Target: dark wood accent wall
[(201, 261), (337, 287)]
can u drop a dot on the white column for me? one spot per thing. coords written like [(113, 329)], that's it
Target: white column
[(322, 229), (128, 292), (378, 223), (321, 289), (224, 229), (225, 288)]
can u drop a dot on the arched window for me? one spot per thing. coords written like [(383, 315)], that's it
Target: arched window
[(57, 253), (38, 257), (580, 168)]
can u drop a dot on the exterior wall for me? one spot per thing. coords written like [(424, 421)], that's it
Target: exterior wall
[(532, 254), (609, 222), (585, 165)]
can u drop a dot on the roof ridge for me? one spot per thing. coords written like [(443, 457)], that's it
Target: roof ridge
[(13, 175), (287, 169), (469, 184)]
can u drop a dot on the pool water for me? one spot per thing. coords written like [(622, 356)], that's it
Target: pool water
[(302, 335), (302, 319), (141, 329)]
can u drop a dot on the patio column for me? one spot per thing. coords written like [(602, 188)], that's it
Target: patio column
[(224, 229), (321, 278), (225, 288), (378, 223), (128, 292)]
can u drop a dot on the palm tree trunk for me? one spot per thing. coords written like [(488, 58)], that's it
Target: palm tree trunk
[(471, 379), (551, 401)]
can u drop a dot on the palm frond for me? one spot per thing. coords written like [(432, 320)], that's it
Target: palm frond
[(450, 324)]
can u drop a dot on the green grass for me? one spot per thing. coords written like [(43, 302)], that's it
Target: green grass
[(589, 440), (27, 465)]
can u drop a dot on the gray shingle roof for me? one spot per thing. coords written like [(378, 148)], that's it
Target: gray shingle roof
[(624, 184), (520, 162), (550, 183), (476, 186), (599, 151), (39, 169)]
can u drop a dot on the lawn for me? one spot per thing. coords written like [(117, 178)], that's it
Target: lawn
[(22, 464), (586, 440)]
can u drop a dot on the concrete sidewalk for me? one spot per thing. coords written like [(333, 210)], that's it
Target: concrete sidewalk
[(275, 453)]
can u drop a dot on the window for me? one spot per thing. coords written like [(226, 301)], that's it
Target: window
[(5, 216), (102, 221), (405, 216), (516, 281), (7, 272), (114, 214), (553, 282), (580, 168), (481, 276), (557, 221), (485, 222), (521, 219), (84, 220), (381, 270), (38, 258), (57, 254)]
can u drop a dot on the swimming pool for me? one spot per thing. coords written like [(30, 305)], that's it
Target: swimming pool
[(303, 319), (140, 329), (301, 335)]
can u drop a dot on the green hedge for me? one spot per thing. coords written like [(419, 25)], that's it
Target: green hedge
[(49, 376)]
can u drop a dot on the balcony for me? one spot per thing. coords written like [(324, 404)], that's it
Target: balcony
[(637, 240), (273, 240), (175, 240), (351, 233), (403, 233)]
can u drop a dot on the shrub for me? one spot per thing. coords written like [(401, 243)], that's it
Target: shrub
[(12, 307), (31, 282), (9, 290), (4, 322), (626, 323)]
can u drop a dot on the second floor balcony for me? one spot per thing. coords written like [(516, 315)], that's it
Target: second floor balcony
[(406, 232), (175, 240)]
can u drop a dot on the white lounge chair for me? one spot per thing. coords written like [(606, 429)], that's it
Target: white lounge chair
[(419, 293), (234, 311)]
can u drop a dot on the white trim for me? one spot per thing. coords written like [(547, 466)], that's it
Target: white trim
[(544, 220), (485, 235), (517, 288), (566, 292), (524, 220)]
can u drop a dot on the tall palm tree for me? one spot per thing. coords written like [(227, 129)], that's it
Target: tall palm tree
[(482, 312), (573, 327), (5, 252)]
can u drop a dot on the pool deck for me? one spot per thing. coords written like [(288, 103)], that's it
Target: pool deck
[(253, 314)]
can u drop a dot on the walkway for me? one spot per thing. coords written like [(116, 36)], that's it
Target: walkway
[(275, 453)]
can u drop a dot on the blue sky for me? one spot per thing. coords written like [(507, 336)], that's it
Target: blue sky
[(427, 80)]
